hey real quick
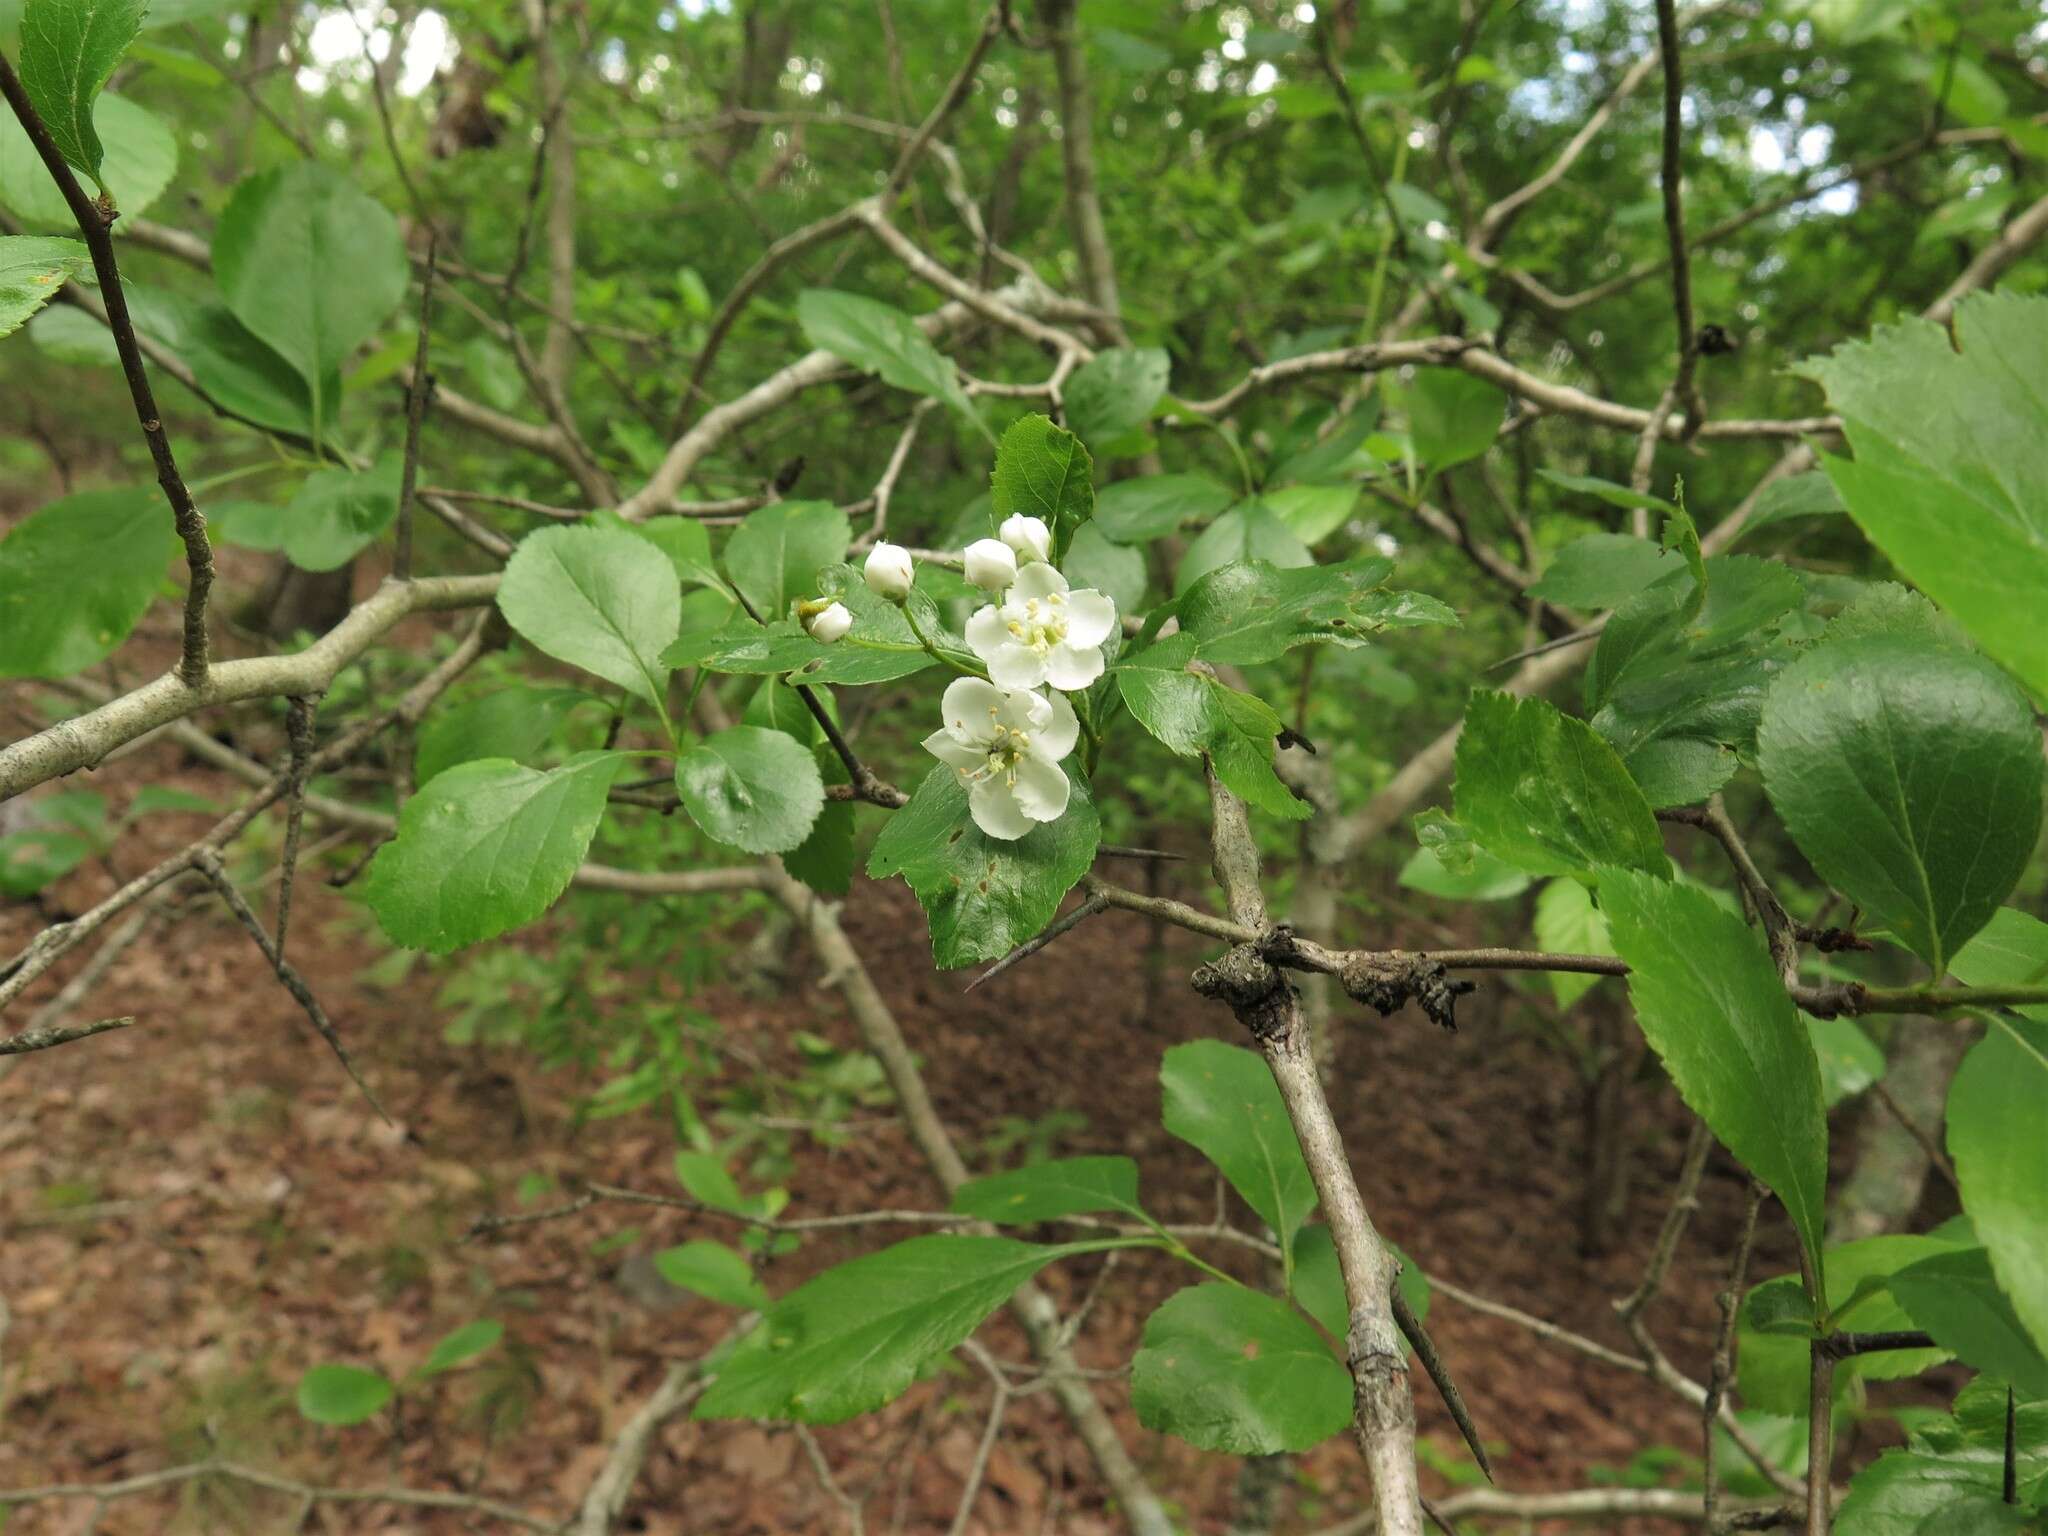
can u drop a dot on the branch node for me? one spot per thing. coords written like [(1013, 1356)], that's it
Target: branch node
[(1260, 996), (1384, 982)]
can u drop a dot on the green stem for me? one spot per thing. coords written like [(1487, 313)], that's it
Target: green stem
[(932, 650)]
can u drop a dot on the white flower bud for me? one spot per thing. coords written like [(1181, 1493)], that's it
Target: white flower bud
[(991, 564), (829, 623), (1028, 536), (889, 572)]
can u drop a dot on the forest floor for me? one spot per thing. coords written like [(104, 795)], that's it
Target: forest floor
[(196, 1209)]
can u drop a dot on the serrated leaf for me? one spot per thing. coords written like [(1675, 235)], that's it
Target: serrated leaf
[(1112, 395), (1246, 533), (1042, 471), (461, 1347), (1222, 1100), (756, 789), (858, 1335), (1713, 1008), (1231, 1369), (32, 269), (1608, 491), (1998, 1138), (1193, 713), (827, 858), (1950, 477), (714, 1272), (1956, 1298), (342, 1394), (485, 847), (879, 339), (1850, 1061), (1909, 775), (983, 896), (310, 265), (1251, 611), (1065, 1186), (593, 598), (774, 557), (1541, 790), (1907, 1493), (77, 575), (68, 49)]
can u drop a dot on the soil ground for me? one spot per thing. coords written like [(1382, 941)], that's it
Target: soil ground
[(194, 1210)]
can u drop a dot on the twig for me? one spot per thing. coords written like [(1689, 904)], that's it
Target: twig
[(417, 395), (207, 861), (298, 720), (1722, 1371), (58, 1034), (1440, 1375), (1937, 1156), (1671, 179), (815, 1454), (95, 221), (999, 1404), (1074, 919)]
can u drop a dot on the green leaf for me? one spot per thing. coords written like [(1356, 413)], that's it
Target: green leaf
[(1453, 416), (1246, 533), (1603, 570), (982, 896), (1998, 1137), (1251, 611), (775, 555), (881, 340), (231, 364), (1809, 495), (76, 576), (826, 860), (2010, 950), (1713, 1008), (1113, 394), (1541, 790), (32, 269), (333, 516), (1318, 1284), (512, 722), (757, 790), (1222, 1100), (1480, 878), (342, 1394), (1066, 1186), (1568, 923), (858, 1335), (1909, 775), (714, 1272), (1193, 713), (1850, 1061), (1773, 1366), (710, 1182), (68, 49), (1151, 506), (1906, 1493), (687, 543), (1043, 471), (1606, 490), (1950, 477), (485, 847), (1956, 1298), (593, 598), (1231, 1369), (311, 266), (1312, 512), (1114, 570), (141, 157), (461, 1347)]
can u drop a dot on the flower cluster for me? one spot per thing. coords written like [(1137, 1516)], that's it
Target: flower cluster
[(1006, 735)]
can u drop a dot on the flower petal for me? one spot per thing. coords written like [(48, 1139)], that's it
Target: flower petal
[(1024, 711), (955, 753), (993, 805), (1067, 666), (968, 711), (986, 632), (1090, 618), (1036, 580), (1041, 790), (1017, 666), (1054, 741)]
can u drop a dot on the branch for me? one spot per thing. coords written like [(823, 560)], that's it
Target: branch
[(95, 222), (60, 1034), (1671, 180)]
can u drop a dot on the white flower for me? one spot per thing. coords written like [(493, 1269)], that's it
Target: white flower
[(829, 623), (991, 564), (888, 572), (1028, 536), (1043, 633), (1006, 745)]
